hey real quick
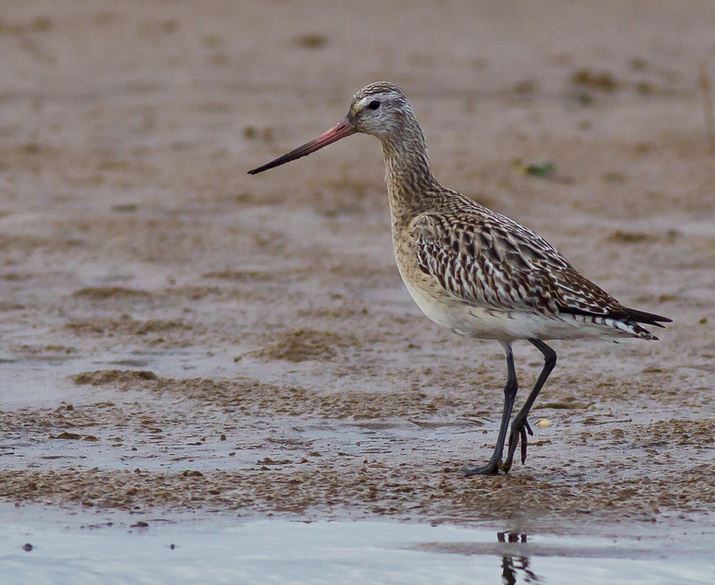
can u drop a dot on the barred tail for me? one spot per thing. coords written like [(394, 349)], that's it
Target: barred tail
[(636, 330), (625, 320)]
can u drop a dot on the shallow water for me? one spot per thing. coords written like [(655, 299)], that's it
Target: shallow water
[(85, 549)]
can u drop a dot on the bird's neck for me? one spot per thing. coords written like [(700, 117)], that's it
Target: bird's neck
[(410, 183)]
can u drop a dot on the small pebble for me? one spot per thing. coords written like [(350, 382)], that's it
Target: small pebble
[(27, 547), (543, 423)]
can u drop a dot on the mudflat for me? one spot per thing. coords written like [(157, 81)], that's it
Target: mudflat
[(180, 336)]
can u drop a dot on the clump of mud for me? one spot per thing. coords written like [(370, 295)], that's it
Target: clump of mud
[(301, 345), (600, 80), (127, 326), (102, 293), (121, 378)]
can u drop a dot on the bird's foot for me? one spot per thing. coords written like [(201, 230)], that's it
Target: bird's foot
[(488, 469), (491, 468), (519, 429)]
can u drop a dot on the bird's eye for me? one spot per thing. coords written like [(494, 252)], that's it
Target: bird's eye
[(374, 104)]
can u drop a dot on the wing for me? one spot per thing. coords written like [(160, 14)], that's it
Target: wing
[(486, 259)]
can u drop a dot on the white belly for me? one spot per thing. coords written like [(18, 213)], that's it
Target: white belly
[(503, 325)]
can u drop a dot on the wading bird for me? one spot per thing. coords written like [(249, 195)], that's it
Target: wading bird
[(471, 269)]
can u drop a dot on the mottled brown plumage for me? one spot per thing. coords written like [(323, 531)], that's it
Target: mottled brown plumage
[(471, 269), (488, 260)]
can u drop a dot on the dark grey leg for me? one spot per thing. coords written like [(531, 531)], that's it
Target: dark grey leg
[(492, 468), (520, 426)]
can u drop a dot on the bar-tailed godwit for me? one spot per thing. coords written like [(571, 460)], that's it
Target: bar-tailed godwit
[(471, 269)]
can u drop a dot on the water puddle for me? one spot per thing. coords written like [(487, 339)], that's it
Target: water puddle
[(35, 549)]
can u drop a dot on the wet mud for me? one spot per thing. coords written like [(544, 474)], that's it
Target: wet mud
[(180, 336)]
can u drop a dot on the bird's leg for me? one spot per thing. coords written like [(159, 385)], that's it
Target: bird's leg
[(520, 425), (492, 468)]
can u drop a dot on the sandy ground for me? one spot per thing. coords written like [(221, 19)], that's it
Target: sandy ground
[(178, 335)]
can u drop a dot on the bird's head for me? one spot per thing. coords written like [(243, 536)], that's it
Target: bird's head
[(379, 109)]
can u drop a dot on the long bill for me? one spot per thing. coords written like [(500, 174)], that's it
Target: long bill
[(340, 130)]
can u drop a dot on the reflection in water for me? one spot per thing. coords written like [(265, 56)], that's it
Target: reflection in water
[(513, 564)]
